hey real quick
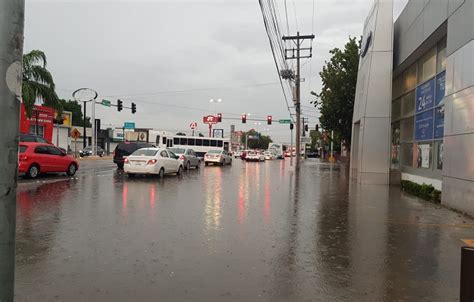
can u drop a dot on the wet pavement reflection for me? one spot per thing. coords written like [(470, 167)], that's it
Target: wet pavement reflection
[(249, 232)]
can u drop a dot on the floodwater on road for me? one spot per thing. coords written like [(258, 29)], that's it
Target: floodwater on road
[(246, 232)]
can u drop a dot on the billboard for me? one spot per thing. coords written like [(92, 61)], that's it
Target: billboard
[(424, 126), (425, 96)]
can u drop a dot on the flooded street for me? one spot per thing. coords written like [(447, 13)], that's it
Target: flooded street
[(246, 232)]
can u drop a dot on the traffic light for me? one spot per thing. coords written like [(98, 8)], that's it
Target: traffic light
[(317, 127), (269, 120), (134, 108), (119, 105), (219, 117), (306, 128), (244, 118), (291, 126)]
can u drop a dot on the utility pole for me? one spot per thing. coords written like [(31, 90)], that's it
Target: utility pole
[(296, 54), (11, 50), (84, 125)]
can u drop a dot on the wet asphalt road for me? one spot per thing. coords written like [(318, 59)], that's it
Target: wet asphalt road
[(250, 232)]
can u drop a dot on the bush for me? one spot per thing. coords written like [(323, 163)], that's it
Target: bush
[(427, 192)]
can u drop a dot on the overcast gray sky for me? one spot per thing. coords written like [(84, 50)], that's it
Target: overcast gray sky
[(146, 51)]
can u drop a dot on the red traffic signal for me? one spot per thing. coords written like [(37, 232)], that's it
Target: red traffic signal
[(269, 120), (219, 117), (244, 118)]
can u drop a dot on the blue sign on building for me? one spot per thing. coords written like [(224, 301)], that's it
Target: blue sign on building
[(425, 96), (424, 126), (439, 122), (440, 88), (129, 125)]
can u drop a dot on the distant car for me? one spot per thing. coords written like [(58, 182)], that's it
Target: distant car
[(312, 154), (255, 156), (152, 161), (237, 154), (36, 158), (269, 155), (32, 138), (124, 149), (187, 157), (87, 151), (220, 157), (243, 154)]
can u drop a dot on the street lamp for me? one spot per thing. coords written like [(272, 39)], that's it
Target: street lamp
[(215, 102)]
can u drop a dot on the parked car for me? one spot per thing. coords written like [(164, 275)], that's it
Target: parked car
[(187, 157), (152, 161), (243, 154), (255, 156), (32, 138), (269, 155), (237, 154), (87, 151), (312, 154), (220, 157), (36, 158), (124, 149)]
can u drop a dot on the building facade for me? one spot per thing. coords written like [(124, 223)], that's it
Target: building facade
[(432, 99)]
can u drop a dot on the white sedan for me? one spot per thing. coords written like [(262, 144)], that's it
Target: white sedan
[(254, 156), (220, 157), (152, 161)]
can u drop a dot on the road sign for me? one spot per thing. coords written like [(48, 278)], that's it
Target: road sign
[(193, 125), (75, 134), (284, 121), (106, 103), (129, 125), (210, 120)]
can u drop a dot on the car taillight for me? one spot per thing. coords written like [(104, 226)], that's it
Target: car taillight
[(126, 160), (181, 157), (152, 161), (23, 157)]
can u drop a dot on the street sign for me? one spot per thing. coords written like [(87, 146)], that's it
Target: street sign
[(75, 134), (106, 103), (218, 133), (129, 125), (193, 125), (210, 120), (284, 121)]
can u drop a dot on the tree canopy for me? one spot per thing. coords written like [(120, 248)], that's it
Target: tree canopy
[(76, 109), (336, 99), (38, 82), (261, 143)]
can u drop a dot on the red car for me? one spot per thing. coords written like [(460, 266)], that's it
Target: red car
[(36, 158)]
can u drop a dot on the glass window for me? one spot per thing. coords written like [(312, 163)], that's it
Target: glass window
[(406, 129), (441, 59), (205, 142), (176, 140), (191, 141), (54, 151), (407, 155), (23, 149), (145, 152), (183, 141), (164, 154), (157, 140), (41, 150), (213, 143), (164, 140), (408, 104), (397, 87), (219, 143), (396, 109), (172, 155), (409, 78), (198, 142), (427, 66), (177, 150), (439, 155)]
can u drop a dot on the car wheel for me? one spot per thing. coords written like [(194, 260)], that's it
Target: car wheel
[(206, 163), (180, 171), (188, 166), (131, 175), (101, 154), (71, 170), (120, 166), (161, 174), (230, 163), (222, 163), (33, 171), (198, 165)]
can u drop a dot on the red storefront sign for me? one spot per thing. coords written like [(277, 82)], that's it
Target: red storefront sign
[(210, 120), (41, 121)]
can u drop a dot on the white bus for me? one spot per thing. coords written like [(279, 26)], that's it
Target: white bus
[(200, 145), (278, 149)]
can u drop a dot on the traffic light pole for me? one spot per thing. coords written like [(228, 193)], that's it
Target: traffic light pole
[(11, 50), (298, 40), (84, 136)]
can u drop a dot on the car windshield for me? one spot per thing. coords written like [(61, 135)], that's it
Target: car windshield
[(252, 153), (145, 152), (88, 148), (215, 151), (178, 150), (23, 149)]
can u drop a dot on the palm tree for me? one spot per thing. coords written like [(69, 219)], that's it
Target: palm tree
[(38, 82)]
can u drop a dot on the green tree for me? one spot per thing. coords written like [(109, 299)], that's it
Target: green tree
[(76, 109), (336, 99), (38, 82), (261, 143)]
